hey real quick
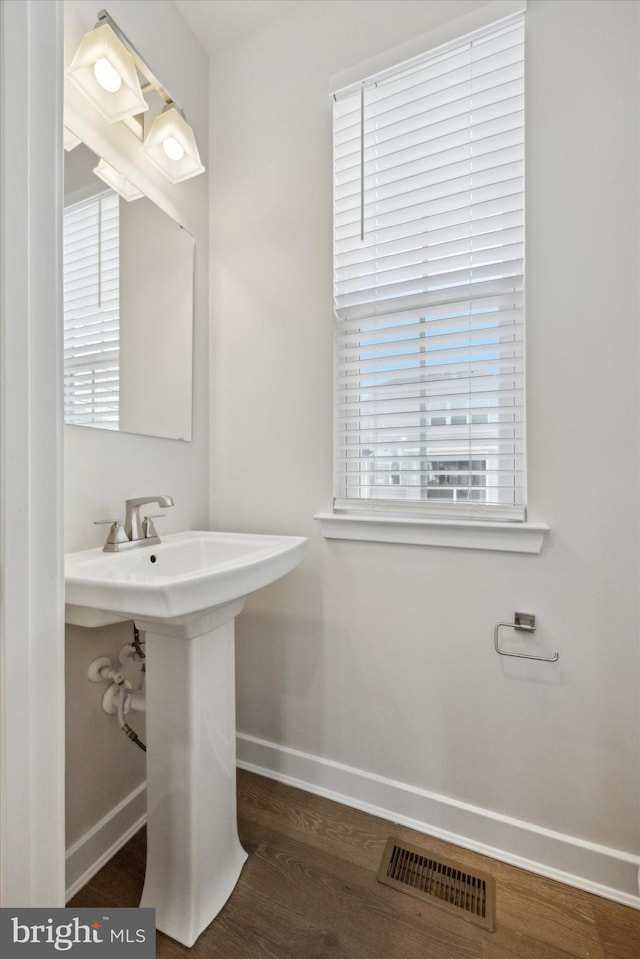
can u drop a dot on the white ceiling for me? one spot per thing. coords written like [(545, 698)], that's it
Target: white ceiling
[(217, 23)]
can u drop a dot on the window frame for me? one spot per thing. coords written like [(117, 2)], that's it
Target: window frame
[(400, 522)]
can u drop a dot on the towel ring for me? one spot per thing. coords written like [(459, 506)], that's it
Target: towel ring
[(526, 623)]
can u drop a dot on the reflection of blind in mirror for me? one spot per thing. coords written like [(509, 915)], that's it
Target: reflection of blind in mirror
[(92, 311)]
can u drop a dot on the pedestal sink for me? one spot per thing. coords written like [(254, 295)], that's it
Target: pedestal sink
[(184, 594)]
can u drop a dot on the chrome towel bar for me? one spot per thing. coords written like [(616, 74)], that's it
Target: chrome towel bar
[(526, 623)]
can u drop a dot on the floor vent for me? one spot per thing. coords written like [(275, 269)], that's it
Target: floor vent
[(443, 883)]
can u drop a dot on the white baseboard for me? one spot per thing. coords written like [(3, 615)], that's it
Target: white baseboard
[(595, 868), (89, 853), (598, 869)]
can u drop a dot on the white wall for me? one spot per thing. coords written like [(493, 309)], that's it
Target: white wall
[(377, 657), (102, 468)]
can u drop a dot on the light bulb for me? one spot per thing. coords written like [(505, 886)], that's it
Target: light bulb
[(107, 76), (172, 148)]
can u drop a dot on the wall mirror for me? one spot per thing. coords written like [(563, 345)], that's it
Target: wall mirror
[(128, 307)]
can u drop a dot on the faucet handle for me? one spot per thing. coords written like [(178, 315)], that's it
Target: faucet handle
[(116, 533), (148, 527)]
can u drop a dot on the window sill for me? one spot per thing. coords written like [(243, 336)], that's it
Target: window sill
[(463, 534)]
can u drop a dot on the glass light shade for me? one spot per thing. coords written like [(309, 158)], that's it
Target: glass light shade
[(180, 159), (101, 46), (117, 181)]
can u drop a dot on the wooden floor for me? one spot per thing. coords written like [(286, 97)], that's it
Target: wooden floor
[(309, 891)]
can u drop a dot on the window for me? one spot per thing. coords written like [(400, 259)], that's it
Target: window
[(429, 283), (91, 311)]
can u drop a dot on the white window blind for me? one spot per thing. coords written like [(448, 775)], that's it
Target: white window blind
[(91, 311), (429, 282)]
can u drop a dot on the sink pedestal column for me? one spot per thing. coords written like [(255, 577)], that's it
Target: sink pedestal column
[(194, 856)]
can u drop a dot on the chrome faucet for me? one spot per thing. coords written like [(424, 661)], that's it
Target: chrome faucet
[(136, 531)]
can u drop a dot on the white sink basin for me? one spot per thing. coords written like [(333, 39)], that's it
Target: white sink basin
[(186, 573)]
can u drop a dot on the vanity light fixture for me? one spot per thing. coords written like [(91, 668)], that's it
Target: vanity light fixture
[(171, 146), (117, 181), (106, 69)]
